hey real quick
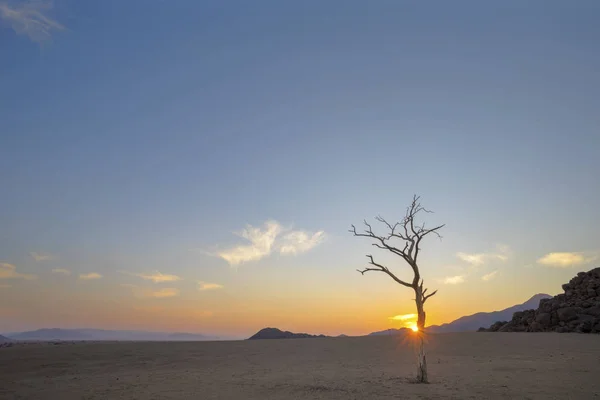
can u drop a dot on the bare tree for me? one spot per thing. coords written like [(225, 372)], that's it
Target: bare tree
[(404, 240)]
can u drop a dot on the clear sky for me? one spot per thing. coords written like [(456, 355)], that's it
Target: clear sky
[(195, 165)]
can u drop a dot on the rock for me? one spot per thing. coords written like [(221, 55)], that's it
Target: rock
[(567, 314), (497, 325), (584, 327), (535, 327), (575, 310), (543, 319), (595, 311)]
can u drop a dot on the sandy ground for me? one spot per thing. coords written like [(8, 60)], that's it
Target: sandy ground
[(461, 366)]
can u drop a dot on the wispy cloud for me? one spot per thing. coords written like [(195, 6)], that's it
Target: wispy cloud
[(155, 276), (404, 317), (298, 241), (61, 271), (90, 276), (261, 244), (166, 292), (41, 256), (9, 271), (30, 18), (502, 253), (208, 286), (490, 276), (128, 285), (566, 259), (454, 280), (272, 237)]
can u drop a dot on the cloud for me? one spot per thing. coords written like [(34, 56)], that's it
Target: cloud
[(29, 18), (155, 277), (41, 256), (166, 292), (61, 271), (90, 276), (272, 237), (478, 259), (9, 271), (404, 317), (261, 243), (566, 259), (454, 280), (490, 276), (208, 286), (3, 286), (299, 242)]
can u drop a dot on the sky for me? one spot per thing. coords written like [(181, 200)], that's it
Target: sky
[(195, 166)]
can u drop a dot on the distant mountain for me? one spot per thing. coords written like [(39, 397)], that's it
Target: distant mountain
[(390, 332), (274, 333), (475, 321), (101, 334), (4, 339)]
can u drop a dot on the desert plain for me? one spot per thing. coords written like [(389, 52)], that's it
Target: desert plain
[(461, 366)]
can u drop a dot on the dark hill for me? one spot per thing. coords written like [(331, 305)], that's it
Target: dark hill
[(391, 332), (274, 333)]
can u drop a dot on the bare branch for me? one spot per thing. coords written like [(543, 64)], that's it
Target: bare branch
[(381, 268), (429, 295)]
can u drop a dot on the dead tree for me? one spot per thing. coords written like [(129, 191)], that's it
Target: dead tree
[(404, 240)]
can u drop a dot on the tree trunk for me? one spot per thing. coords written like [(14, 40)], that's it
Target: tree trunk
[(421, 359)]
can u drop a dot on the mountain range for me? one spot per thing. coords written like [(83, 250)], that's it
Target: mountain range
[(102, 334), (471, 323)]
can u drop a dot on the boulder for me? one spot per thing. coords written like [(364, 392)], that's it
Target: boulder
[(595, 310), (575, 310), (544, 319), (567, 314)]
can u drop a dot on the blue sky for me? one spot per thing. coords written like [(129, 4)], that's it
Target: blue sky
[(139, 136)]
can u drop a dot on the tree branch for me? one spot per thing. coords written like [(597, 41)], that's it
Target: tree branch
[(429, 295), (411, 235), (381, 268)]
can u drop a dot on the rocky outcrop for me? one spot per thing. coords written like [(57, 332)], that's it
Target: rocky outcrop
[(494, 328), (470, 323), (274, 333), (576, 310)]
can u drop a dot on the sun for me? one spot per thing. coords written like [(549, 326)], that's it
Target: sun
[(414, 328)]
